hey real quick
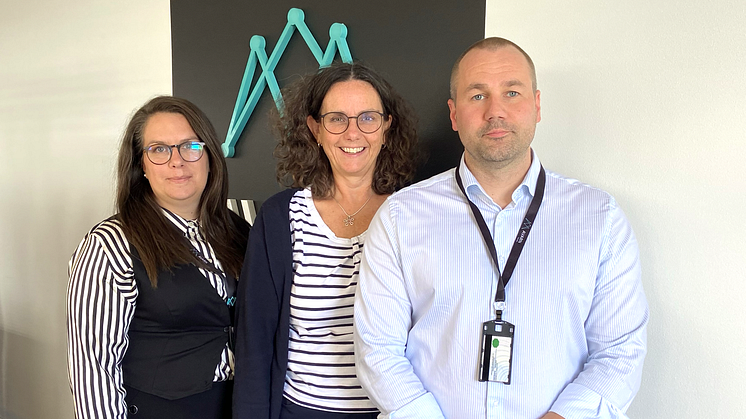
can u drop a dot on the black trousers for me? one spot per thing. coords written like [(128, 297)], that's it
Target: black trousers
[(211, 404), (291, 410)]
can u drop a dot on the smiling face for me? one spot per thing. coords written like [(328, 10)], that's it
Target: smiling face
[(177, 184), (495, 110), (352, 154)]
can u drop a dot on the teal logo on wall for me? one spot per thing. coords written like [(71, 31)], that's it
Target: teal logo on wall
[(245, 103)]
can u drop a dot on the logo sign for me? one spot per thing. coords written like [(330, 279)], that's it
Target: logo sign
[(248, 97)]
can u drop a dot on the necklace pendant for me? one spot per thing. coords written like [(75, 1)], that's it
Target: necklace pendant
[(349, 220)]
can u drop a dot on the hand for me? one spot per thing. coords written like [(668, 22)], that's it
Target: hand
[(552, 415)]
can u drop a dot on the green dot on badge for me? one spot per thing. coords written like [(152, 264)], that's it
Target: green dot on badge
[(495, 342)]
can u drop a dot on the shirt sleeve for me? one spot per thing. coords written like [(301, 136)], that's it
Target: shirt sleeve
[(616, 331), (383, 318), (100, 304)]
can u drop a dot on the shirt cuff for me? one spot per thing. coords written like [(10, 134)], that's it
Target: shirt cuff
[(424, 406), (579, 402)]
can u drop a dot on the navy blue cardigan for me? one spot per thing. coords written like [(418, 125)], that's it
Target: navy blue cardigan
[(263, 313)]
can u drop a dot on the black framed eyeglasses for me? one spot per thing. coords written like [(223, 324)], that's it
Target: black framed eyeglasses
[(367, 122), (189, 151)]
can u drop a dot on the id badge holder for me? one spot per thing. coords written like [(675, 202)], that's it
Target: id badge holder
[(497, 351)]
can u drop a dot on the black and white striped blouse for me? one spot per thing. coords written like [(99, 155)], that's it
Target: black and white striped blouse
[(101, 301), (321, 362)]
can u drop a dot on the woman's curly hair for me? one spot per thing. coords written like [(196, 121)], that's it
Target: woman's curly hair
[(302, 163)]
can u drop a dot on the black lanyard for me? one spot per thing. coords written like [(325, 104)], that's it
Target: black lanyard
[(230, 288), (228, 282), (520, 239)]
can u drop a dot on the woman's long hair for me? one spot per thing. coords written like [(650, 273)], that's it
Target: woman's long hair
[(159, 244), (300, 161)]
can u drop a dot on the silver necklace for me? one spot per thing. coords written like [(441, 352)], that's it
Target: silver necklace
[(350, 218)]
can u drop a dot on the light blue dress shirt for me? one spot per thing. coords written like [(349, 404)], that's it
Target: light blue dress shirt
[(427, 284)]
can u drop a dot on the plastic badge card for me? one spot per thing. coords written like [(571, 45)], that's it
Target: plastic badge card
[(497, 352)]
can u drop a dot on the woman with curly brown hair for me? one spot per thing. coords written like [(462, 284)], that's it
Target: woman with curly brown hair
[(346, 142)]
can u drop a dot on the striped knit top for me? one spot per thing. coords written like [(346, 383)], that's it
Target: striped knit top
[(321, 362)]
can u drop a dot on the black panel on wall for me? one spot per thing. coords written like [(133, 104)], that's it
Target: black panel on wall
[(412, 44)]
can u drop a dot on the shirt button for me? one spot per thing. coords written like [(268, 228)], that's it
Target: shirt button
[(494, 404)]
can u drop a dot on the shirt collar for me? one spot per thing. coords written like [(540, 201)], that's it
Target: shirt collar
[(189, 228), (527, 187)]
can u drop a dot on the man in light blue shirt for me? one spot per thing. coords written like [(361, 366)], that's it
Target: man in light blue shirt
[(428, 283)]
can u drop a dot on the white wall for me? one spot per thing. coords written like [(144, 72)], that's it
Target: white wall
[(647, 100), (71, 73)]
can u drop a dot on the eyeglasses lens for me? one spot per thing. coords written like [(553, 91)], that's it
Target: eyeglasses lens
[(159, 153), (336, 122), (369, 122), (190, 150)]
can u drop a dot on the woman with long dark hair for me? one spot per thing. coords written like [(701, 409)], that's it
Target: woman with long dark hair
[(346, 142), (149, 302)]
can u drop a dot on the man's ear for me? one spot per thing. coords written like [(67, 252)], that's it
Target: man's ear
[(452, 114)]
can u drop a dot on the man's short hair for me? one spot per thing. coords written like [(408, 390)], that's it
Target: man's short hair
[(491, 44)]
